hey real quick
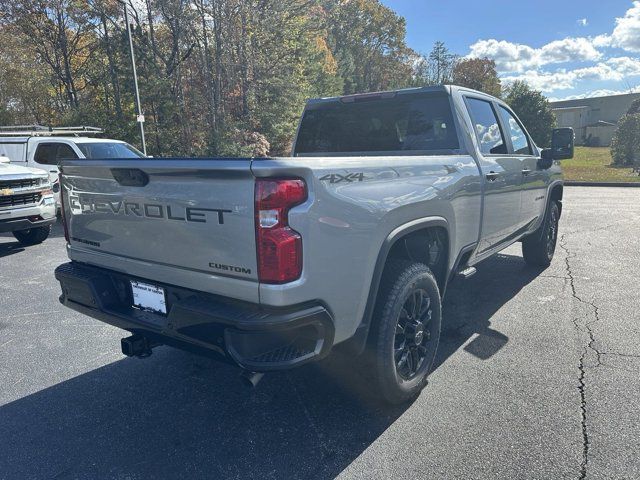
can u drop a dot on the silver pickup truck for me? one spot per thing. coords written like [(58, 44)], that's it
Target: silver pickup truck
[(270, 263)]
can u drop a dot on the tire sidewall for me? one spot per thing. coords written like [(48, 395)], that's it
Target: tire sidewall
[(423, 279), (32, 236), (553, 208)]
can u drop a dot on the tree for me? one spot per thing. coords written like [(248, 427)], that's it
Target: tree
[(27, 92), (625, 144), (436, 68), (5, 116), (217, 77), (635, 107), (479, 74), (441, 63), (533, 109), (368, 42), (60, 34)]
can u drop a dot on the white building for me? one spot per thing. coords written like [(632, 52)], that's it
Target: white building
[(593, 119)]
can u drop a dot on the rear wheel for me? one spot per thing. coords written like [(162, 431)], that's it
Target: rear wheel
[(32, 236), (539, 247), (406, 329)]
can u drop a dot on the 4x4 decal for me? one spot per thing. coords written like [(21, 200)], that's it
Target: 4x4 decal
[(337, 178)]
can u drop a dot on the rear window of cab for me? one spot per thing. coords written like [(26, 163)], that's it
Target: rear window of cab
[(406, 123)]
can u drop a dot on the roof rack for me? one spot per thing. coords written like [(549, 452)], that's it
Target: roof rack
[(42, 131)]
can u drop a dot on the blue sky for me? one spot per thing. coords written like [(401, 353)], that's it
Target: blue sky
[(565, 48)]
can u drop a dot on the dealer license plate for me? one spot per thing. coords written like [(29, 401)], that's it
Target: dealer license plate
[(149, 297)]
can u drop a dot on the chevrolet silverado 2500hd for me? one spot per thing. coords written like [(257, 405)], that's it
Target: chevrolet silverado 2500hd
[(27, 207), (271, 263)]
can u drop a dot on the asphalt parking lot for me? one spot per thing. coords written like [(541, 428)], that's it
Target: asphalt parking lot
[(537, 376)]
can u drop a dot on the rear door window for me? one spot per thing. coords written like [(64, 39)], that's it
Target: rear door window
[(486, 126), (405, 123), (53, 153)]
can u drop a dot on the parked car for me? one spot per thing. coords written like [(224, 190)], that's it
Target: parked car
[(27, 208), (42, 147), (270, 263)]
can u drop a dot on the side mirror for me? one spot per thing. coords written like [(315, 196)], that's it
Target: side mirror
[(562, 142)]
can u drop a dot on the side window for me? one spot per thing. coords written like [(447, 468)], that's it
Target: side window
[(46, 153), (53, 153), (487, 127), (518, 137), (65, 152)]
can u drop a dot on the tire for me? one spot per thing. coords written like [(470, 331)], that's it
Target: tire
[(403, 357), (32, 236), (539, 247)]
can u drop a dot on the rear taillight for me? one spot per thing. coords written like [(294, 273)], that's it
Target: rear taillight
[(62, 214), (278, 246)]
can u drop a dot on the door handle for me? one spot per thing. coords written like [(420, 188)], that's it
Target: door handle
[(491, 176), (526, 171)]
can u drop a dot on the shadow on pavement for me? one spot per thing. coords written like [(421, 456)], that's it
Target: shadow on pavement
[(470, 304), (180, 416), (10, 248)]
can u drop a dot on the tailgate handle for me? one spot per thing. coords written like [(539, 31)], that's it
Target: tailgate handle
[(130, 177)]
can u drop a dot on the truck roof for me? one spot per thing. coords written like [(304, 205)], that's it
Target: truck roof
[(446, 89), (57, 138), (347, 98)]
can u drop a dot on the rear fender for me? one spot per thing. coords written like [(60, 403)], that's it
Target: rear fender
[(358, 342)]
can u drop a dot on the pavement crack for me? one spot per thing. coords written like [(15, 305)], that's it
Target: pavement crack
[(616, 354), (583, 417), (590, 346)]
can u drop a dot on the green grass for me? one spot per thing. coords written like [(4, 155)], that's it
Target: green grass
[(594, 164)]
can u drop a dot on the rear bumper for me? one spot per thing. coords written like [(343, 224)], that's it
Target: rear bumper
[(13, 225), (254, 337)]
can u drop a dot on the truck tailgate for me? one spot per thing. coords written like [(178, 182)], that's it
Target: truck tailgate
[(175, 221)]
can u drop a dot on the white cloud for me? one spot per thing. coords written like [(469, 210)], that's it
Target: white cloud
[(604, 92), (625, 66), (516, 57), (544, 81), (508, 56), (626, 34), (516, 61), (613, 69), (570, 50), (600, 41)]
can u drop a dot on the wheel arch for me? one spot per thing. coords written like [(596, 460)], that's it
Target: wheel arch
[(403, 242), (556, 192)]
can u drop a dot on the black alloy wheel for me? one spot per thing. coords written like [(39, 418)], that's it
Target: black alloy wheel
[(413, 336), (405, 330)]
